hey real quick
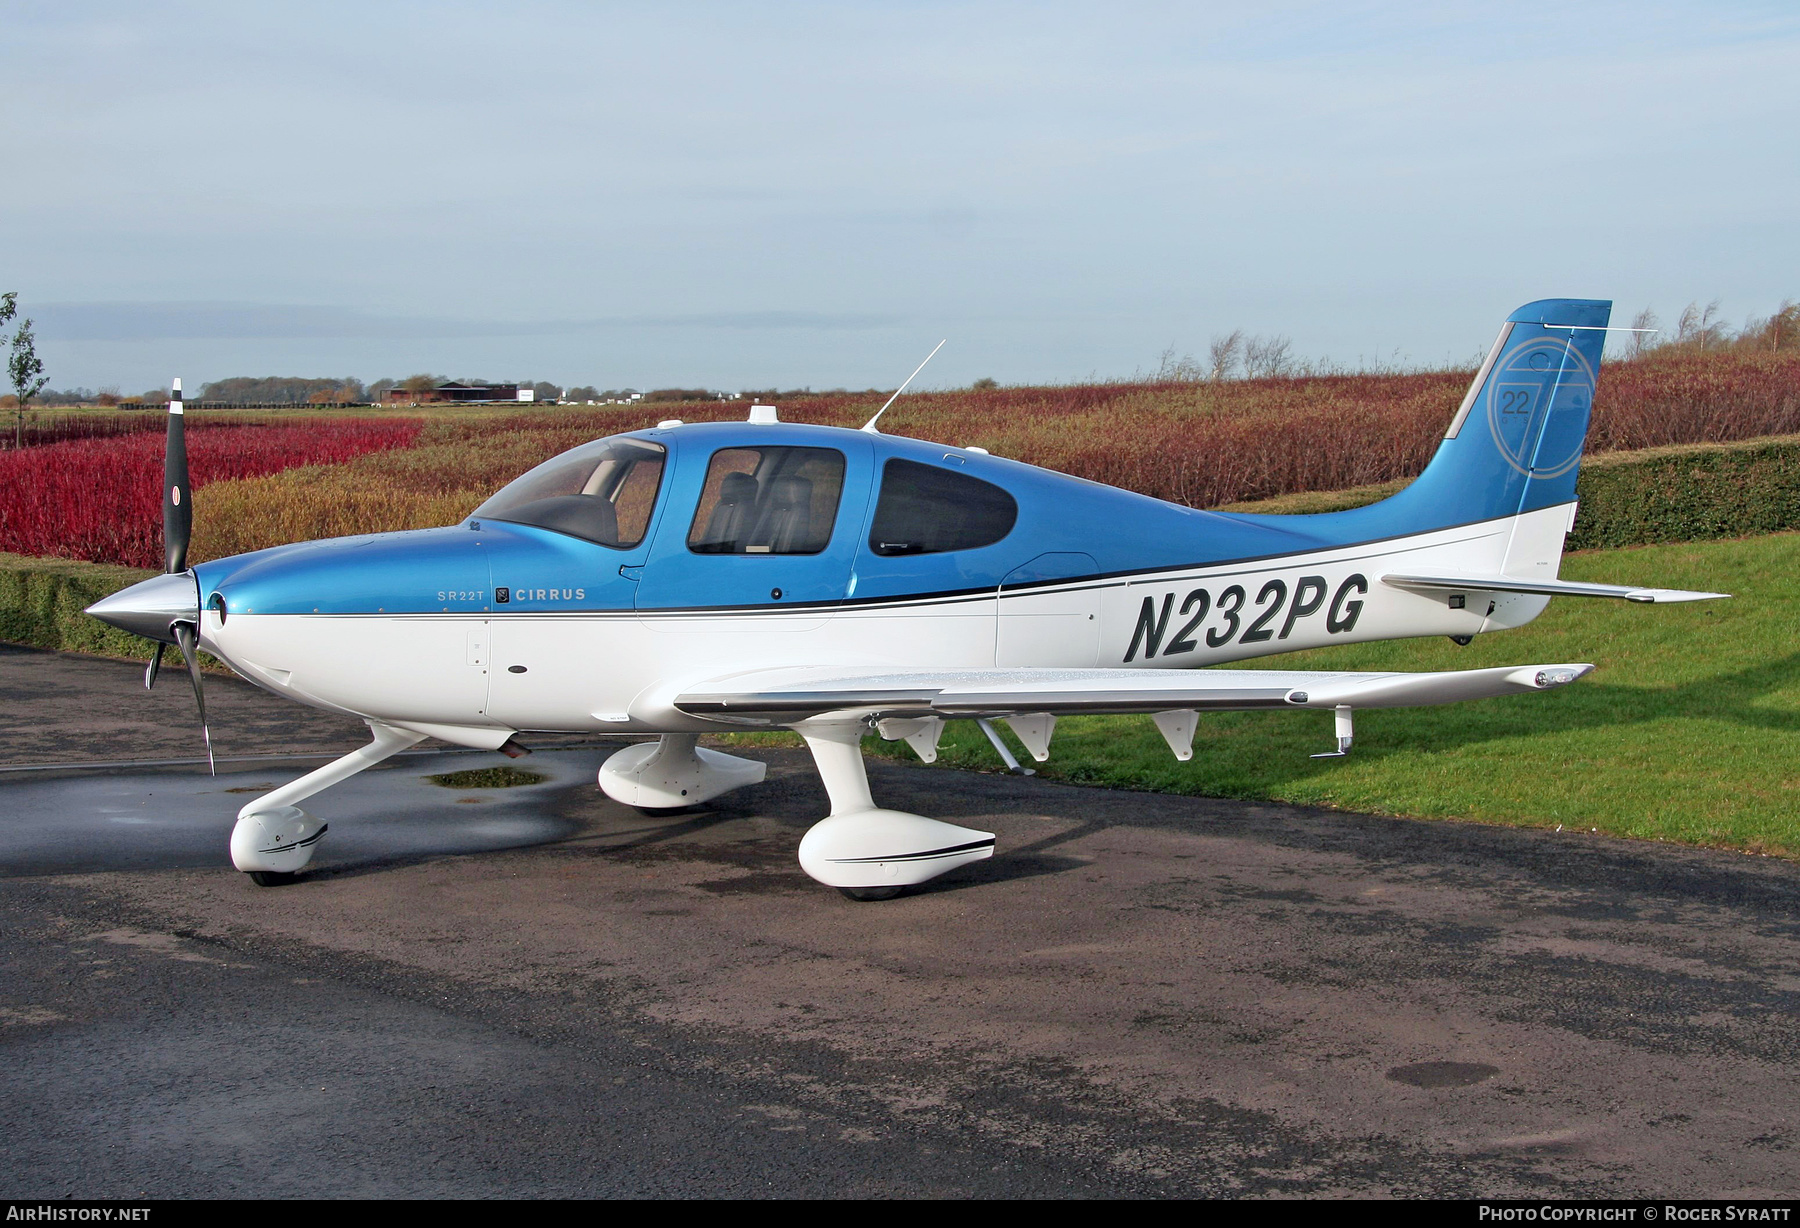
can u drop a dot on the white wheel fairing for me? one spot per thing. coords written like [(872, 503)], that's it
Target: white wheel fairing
[(277, 841), (888, 848), (673, 771)]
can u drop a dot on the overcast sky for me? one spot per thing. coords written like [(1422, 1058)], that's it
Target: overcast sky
[(743, 195)]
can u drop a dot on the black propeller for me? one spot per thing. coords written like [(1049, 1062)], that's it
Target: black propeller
[(188, 639), (178, 508), (178, 527)]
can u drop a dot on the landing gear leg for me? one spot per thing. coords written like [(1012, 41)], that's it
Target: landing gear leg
[(864, 851), (274, 839)]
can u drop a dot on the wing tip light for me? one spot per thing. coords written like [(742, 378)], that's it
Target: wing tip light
[(1547, 677)]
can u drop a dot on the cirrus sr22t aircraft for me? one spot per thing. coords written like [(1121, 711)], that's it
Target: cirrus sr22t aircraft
[(692, 579)]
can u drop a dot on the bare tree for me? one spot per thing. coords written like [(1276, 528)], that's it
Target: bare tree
[(1184, 369), (1267, 357), (9, 307), (1642, 342), (1784, 326), (1224, 352), (1780, 331), (26, 370), (1700, 327)]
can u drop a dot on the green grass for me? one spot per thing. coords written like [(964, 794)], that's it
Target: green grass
[(1689, 730), (502, 777)]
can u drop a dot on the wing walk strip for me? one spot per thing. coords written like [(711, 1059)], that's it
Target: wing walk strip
[(977, 703)]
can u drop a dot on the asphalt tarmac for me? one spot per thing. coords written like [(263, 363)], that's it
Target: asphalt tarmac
[(535, 991)]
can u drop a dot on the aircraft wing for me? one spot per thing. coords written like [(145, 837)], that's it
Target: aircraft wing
[(784, 696), (1545, 588)]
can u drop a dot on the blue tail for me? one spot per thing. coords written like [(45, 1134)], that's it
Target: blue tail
[(1515, 442)]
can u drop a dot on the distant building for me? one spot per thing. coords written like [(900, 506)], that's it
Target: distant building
[(461, 393)]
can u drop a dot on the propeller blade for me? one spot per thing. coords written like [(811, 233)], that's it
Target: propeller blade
[(178, 509), (184, 636), (155, 666)]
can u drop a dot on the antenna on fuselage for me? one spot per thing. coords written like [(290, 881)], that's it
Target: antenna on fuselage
[(869, 426)]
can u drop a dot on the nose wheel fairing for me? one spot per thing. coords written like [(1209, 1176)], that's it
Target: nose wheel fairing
[(274, 836), (275, 841)]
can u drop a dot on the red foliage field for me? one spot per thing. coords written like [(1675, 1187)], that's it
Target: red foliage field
[(87, 424), (1206, 444), (63, 427), (1199, 443), (101, 498)]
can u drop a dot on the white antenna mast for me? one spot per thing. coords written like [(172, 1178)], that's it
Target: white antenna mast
[(869, 426)]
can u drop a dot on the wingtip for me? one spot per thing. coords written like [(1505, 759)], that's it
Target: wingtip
[(1671, 596), (1548, 677)]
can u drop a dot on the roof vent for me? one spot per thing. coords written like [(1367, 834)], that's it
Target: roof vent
[(762, 415)]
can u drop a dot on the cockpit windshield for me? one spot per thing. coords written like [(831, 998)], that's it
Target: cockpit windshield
[(601, 492)]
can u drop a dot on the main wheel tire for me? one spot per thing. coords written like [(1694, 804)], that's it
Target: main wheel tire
[(664, 812), (868, 895), (272, 878)]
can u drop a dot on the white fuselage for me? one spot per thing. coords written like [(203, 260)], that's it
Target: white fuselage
[(476, 678)]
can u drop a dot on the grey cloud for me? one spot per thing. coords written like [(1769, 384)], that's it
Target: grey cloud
[(215, 321), (829, 321), (146, 321)]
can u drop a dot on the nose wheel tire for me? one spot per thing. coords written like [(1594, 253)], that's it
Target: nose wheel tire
[(271, 878), (868, 895)]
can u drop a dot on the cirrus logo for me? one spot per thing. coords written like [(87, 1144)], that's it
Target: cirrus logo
[(503, 596)]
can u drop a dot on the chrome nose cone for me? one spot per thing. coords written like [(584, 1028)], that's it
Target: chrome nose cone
[(150, 606)]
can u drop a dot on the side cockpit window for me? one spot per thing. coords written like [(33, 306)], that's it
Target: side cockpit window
[(768, 501), (927, 510), (603, 492)]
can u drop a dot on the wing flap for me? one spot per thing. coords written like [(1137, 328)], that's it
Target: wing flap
[(1545, 588)]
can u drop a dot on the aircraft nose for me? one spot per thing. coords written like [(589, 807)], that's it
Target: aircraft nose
[(150, 606)]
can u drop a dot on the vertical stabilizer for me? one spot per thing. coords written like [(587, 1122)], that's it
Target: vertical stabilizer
[(1513, 448), (1515, 443)]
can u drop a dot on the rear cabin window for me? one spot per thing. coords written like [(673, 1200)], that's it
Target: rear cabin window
[(768, 501), (927, 510), (601, 492)]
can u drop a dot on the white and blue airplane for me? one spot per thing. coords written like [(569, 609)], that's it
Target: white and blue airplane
[(695, 578)]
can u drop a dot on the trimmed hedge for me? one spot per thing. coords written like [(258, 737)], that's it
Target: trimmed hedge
[(1688, 492), (41, 604)]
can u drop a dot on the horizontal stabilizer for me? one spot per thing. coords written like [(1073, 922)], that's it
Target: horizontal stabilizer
[(1545, 588), (786, 696)]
